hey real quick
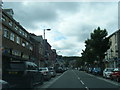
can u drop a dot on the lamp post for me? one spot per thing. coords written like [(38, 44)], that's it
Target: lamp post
[(44, 32), (44, 41)]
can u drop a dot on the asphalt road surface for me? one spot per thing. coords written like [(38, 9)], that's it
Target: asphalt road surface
[(74, 79)]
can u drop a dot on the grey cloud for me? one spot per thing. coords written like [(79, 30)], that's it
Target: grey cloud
[(67, 6), (36, 12), (29, 15), (82, 32)]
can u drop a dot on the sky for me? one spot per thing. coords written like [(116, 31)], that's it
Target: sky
[(70, 22)]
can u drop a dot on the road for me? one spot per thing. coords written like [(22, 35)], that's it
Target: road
[(75, 79)]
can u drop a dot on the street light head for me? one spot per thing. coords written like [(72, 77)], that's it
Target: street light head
[(48, 29)]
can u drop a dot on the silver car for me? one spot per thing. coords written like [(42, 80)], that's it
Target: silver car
[(46, 73), (52, 71)]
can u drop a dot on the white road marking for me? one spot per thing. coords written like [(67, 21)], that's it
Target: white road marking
[(82, 82), (87, 88)]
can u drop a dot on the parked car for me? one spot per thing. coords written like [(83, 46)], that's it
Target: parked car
[(5, 85), (115, 75), (46, 73), (65, 69), (23, 73), (96, 71), (81, 69), (52, 71), (60, 70), (107, 72), (89, 70)]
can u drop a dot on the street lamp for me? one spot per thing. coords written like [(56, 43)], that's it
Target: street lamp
[(44, 32), (44, 41)]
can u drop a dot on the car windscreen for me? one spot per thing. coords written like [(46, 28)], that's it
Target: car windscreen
[(109, 70), (17, 66), (50, 68)]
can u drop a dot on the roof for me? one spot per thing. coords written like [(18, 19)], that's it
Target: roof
[(9, 10), (114, 33), (37, 38)]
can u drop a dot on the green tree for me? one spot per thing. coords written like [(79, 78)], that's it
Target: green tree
[(100, 43), (96, 46)]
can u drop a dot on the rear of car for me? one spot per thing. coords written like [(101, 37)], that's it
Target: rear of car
[(45, 72), (96, 71), (89, 70), (23, 74), (52, 71), (107, 72), (15, 74), (115, 75), (59, 70)]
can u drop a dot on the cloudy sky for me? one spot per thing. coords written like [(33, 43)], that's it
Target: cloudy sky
[(70, 22)]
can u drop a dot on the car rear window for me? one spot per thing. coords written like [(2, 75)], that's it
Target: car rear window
[(18, 66)]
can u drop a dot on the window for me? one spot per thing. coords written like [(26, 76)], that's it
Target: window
[(18, 40), (10, 23), (23, 33), (23, 43), (12, 36), (6, 33), (26, 35), (3, 18), (20, 31), (26, 43), (31, 48), (16, 28)]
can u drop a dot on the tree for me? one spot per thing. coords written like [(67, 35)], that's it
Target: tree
[(79, 62), (88, 53), (100, 43), (96, 46)]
